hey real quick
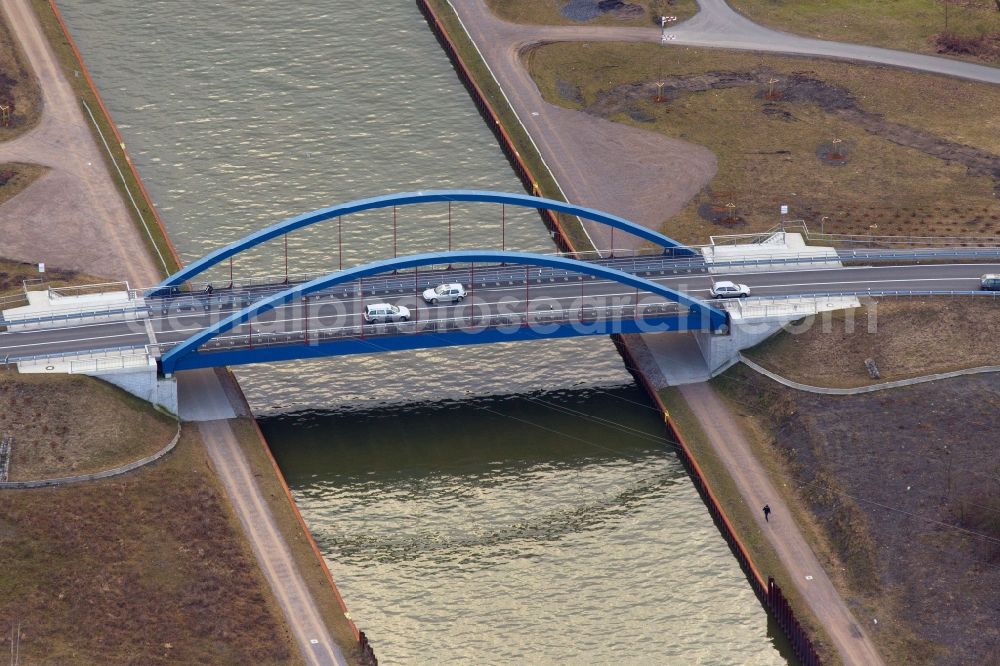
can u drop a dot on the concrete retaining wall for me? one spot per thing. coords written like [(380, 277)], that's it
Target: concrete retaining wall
[(144, 383)]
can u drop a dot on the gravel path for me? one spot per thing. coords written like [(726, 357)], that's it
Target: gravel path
[(271, 550), (642, 176), (72, 217), (857, 390), (730, 444)]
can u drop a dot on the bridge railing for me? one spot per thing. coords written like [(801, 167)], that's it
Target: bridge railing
[(97, 289), (67, 356), (583, 316), (885, 240), (243, 281), (636, 261)]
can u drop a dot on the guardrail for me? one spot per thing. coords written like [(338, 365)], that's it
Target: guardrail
[(64, 357), (657, 261), (887, 240), (584, 316), (84, 313), (98, 289), (107, 364), (13, 301)]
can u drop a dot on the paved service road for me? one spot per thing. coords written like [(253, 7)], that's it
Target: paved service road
[(498, 291), (73, 217), (717, 25)]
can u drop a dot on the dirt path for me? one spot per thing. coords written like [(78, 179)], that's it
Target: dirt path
[(272, 553), (642, 176), (726, 436), (73, 216)]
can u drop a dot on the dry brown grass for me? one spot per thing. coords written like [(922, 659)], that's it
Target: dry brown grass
[(548, 12), (910, 25), (895, 492), (907, 338), (14, 273), (767, 149), (149, 568), (15, 177), (18, 87), (64, 425)]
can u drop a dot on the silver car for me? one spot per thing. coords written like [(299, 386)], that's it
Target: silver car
[(727, 289), (378, 313), (445, 293)]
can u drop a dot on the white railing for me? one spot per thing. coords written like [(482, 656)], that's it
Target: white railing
[(106, 364)]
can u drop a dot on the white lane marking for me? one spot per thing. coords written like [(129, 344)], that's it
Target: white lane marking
[(63, 342), (358, 300), (875, 288)]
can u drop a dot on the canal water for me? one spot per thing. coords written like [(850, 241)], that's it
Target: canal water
[(494, 504)]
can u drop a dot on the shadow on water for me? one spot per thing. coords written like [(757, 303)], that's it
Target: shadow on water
[(467, 437)]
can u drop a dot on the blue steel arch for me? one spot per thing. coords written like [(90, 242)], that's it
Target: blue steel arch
[(410, 198), (710, 316)]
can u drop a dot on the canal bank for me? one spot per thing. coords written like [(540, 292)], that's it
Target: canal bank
[(237, 136), (534, 174), (288, 555)]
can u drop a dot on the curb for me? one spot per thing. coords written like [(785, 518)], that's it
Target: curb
[(858, 390), (108, 473)]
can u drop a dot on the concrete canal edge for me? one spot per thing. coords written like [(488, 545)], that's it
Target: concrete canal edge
[(159, 241), (767, 591), (161, 244)]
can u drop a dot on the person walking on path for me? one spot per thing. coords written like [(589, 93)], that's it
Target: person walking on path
[(767, 512)]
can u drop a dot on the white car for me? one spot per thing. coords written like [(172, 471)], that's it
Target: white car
[(384, 312), (727, 289), (445, 293)]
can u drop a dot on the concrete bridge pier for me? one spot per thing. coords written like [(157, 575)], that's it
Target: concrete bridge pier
[(673, 359)]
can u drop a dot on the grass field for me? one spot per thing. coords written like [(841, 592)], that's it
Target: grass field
[(906, 338), (897, 492), (910, 25), (15, 177), (148, 568), (51, 419), (13, 274), (909, 166), (18, 88), (549, 12)]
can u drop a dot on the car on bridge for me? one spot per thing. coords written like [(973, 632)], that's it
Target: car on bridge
[(380, 313), (445, 293), (727, 289), (990, 282)]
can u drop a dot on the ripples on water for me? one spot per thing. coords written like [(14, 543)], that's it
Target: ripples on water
[(543, 528), (459, 527)]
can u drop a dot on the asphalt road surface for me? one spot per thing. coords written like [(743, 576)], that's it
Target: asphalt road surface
[(497, 291)]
